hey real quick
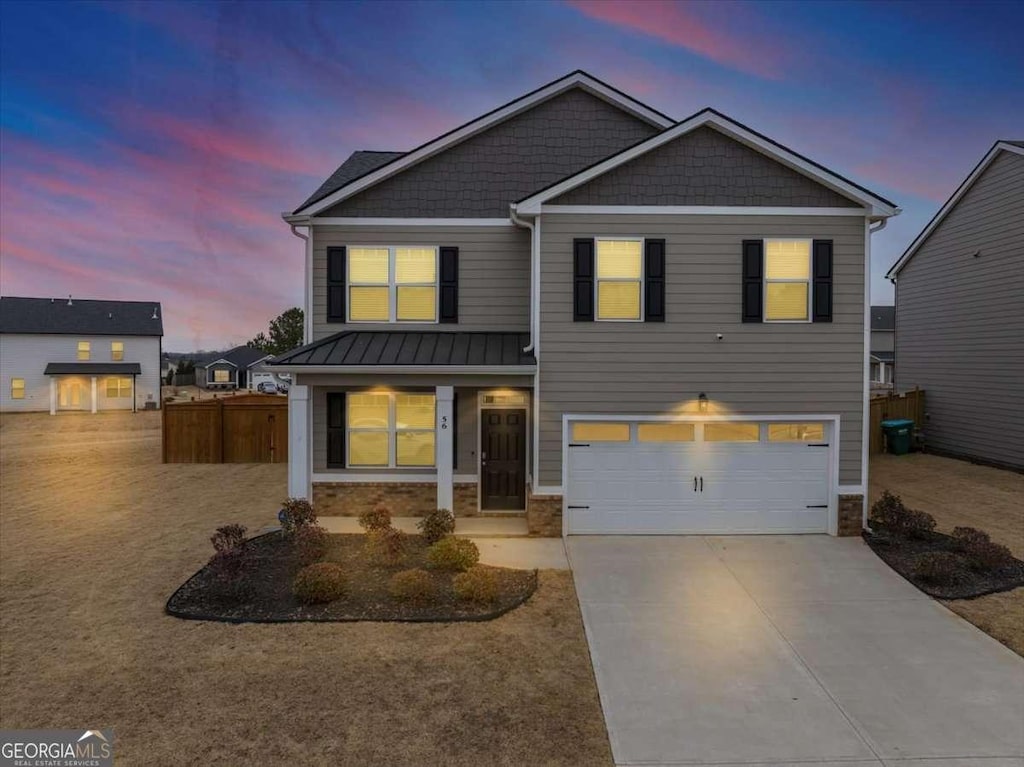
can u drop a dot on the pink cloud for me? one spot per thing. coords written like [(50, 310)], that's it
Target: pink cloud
[(678, 24)]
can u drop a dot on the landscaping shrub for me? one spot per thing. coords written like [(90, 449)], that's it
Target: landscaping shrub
[(939, 567), (436, 525), (890, 514), (412, 586), (477, 584), (385, 548), (377, 519), (310, 544), (319, 583), (966, 537), (454, 554), (296, 513), (228, 538), (988, 555)]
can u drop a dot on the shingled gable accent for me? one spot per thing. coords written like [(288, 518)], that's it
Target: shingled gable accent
[(848, 191), (646, 120)]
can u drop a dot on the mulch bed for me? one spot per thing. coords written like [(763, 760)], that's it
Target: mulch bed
[(264, 592), (902, 554)]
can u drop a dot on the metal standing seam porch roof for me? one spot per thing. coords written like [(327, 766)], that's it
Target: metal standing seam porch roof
[(93, 369), (376, 348)]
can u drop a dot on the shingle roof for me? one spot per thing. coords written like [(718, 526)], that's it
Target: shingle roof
[(1015, 143), (80, 316), (386, 347), (883, 317), (358, 164), (887, 357), (93, 368), (242, 356)]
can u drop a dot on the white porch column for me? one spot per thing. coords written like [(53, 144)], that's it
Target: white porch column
[(445, 443), (298, 443), (92, 408), (881, 372), (53, 395)]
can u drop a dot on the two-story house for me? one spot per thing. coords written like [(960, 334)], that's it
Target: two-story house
[(581, 310), (73, 354)]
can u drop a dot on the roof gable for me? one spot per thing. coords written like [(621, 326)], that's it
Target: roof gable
[(358, 164), (80, 316), (704, 167), (1012, 147), (878, 206), (578, 80)]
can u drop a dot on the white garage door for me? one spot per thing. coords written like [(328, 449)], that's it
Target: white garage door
[(710, 477)]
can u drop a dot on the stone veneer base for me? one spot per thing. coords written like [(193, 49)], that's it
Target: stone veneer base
[(851, 515), (403, 499)]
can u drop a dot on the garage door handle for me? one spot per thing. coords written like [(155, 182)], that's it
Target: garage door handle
[(822, 506), (695, 484), (702, 484), (579, 444), (578, 507), (818, 444)]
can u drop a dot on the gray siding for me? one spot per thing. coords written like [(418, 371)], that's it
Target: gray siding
[(960, 320), (482, 175), (205, 376), (883, 340), (26, 355), (494, 273), (703, 167), (652, 368)]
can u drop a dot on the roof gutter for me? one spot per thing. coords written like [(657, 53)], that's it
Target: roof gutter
[(534, 227), (517, 370)]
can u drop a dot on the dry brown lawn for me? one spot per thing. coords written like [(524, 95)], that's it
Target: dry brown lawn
[(95, 534), (958, 493)]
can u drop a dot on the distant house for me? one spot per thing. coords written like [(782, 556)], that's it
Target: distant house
[(233, 369), (960, 314), (883, 345), (73, 354)]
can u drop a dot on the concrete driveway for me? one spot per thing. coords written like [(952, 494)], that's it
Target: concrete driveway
[(786, 649)]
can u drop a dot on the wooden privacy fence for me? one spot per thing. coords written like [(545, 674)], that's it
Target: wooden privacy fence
[(251, 428), (907, 405)]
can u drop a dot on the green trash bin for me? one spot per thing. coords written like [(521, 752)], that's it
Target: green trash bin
[(898, 432)]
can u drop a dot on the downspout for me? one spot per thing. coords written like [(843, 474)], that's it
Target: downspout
[(533, 346), (307, 308), (534, 281)]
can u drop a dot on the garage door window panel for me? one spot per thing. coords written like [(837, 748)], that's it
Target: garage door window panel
[(729, 431), (665, 432), (796, 432), (598, 431)]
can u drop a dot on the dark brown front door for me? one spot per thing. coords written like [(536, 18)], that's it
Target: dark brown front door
[(503, 460)]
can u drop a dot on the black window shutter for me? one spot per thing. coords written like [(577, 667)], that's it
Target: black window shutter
[(449, 284), (654, 281), (822, 289), (336, 284), (583, 280), (335, 430), (753, 276)]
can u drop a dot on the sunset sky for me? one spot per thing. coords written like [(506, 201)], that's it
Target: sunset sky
[(147, 149)]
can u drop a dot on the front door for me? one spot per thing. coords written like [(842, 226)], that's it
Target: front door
[(503, 460)]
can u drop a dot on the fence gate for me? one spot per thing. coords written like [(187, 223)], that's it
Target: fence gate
[(249, 428)]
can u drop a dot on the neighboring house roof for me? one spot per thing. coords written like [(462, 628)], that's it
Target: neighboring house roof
[(358, 164), (886, 357), (880, 206), (79, 316), (413, 348), (576, 79), (93, 368), (240, 357), (883, 317), (1017, 147)]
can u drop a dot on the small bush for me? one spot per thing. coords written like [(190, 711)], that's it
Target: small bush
[(377, 519), (412, 586), (988, 555), (228, 538), (454, 554), (310, 544), (296, 513), (966, 537), (939, 567), (319, 583), (890, 514), (477, 584), (385, 548), (887, 509), (436, 525)]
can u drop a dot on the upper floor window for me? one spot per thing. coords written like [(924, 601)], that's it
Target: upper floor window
[(117, 351), (787, 283), (395, 284), (619, 282), (17, 388), (84, 350)]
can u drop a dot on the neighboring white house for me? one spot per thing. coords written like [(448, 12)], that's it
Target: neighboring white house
[(71, 354)]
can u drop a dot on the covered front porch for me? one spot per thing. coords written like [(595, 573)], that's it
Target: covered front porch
[(92, 386)]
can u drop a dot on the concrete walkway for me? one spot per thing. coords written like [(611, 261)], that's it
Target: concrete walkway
[(787, 649)]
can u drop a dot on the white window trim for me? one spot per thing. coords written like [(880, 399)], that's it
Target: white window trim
[(643, 278), (114, 353), (119, 395), (221, 370), (809, 281), (392, 286), (87, 350), (392, 431), (21, 388)]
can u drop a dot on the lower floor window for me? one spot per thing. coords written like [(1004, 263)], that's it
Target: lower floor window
[(119, 387), (222, 376), (17, 388), (390, 429)]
